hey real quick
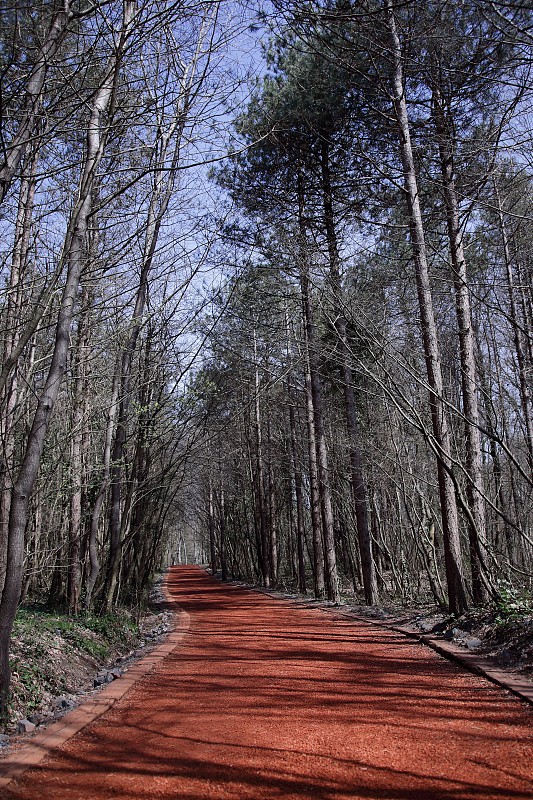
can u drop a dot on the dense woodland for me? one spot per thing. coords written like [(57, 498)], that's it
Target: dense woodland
[(266, 299)]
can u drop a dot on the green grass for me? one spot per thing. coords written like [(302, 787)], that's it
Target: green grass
[(37, 629), (113, 628)]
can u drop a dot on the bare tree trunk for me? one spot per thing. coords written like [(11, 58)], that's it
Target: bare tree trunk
[(256, 510), (76, 461), (272, 526), (10, 392), (34, 544), (525, 281), (94, 563), (364, 536), (298, 493), (260, 472), (316, 522), (330, 559), (222, 529), (316, 519), (442, 441), (75, 260), (525, 393), (115, 508), (315, 403), (501, 523), (137, 510), (296, 470), (211, 523), (467, 347)]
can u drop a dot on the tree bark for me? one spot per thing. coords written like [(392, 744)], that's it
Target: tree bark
[(76, 462), (272, 522), (457, 595), (525, 393), (315, 409), (260, 474), (94, 562), (298, 494), (211, 524), (467, 348), (364, 537), (316, 522), (10, 391), (222, 530)]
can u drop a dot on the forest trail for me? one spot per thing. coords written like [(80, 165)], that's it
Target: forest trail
[(265, 700)]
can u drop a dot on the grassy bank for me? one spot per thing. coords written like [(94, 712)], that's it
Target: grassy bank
[(53, 655)]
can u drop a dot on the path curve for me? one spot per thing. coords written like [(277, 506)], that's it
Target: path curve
[(264, 700)]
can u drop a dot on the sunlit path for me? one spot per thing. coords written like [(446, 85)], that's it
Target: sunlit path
[(265, 700)]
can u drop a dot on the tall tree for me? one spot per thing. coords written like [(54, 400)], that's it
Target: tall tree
[(74, 257)]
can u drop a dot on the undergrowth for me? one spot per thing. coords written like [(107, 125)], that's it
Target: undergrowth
[(513, 604), (48, 648)]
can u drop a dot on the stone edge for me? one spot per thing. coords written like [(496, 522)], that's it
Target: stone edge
[(32, 753)]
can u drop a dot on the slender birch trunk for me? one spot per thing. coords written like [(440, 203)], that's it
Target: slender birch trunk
[(272, 522), (316, 521), (211, 524), (222, 530), (94, 562), (297, 480)]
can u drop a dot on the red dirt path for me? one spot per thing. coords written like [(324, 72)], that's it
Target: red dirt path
[(265, 700)]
